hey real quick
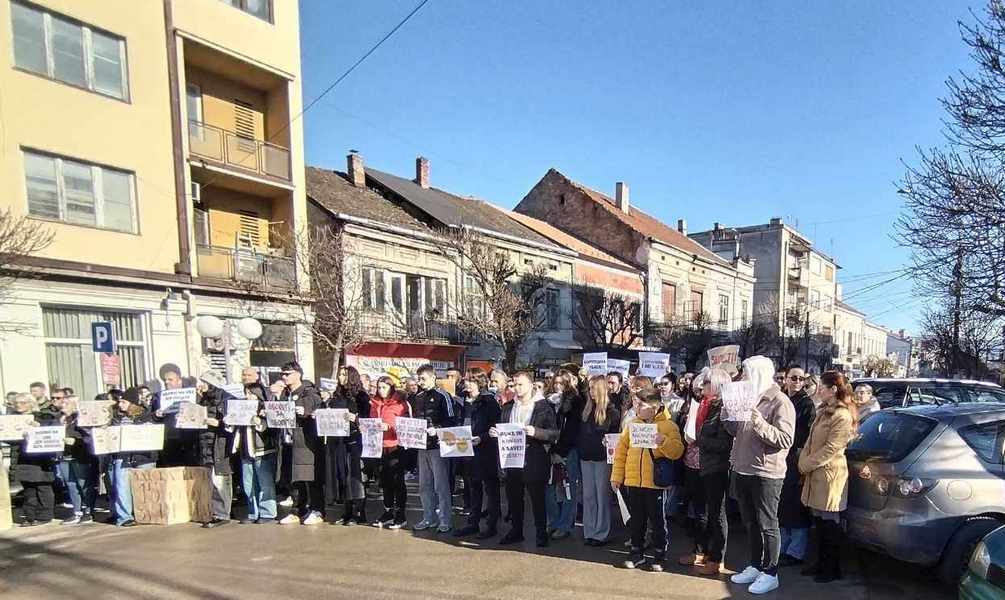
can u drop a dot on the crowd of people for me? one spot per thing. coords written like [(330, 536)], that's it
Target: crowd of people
[(783, 463)]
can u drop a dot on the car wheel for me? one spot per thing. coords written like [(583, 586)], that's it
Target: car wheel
[(961, 547)]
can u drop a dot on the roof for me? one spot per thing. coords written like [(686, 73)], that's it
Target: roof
[(949, 410), (457, 211), (780, 225), (648, 225), (573, 243), (848, 307), (333, 192)]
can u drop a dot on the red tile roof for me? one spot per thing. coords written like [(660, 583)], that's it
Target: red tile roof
[(560, 237)]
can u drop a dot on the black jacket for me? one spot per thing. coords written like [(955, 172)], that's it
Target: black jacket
[(80, 449), (215, 443), (714, 443), (299, 452), (438, 409), (570, 418), (35, 468), (590, 438), (484, 414), (358, 405), (134, 459), (537, 458)]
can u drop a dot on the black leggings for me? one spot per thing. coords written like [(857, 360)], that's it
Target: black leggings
[(392, 480), (713, 538)]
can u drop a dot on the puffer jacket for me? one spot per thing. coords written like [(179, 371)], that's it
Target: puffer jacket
[(822, 461), (715, 443), (388, 411), (633, 467)]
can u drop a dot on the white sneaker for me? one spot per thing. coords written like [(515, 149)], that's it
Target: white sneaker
[(290, 519), (314, 518), (746, 576), (286, 502), (764, 584), (422, 525)]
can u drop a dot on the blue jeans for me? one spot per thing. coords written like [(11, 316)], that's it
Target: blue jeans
[(258, 478), (122, 493), (434, 487), (81, 484), (562, 510), (794, 542)]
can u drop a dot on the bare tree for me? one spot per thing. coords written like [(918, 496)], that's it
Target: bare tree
[(980, 334), (879, 366), (754, 337), (604, 320), (689, 337), (21, 238)]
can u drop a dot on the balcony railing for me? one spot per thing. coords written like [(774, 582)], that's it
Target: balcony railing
[(416, 328), (248, 266), (234, 150)]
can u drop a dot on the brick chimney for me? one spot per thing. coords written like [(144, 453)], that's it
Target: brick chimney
[(682, 226), (354, 168), (422, 172), (621, 196)]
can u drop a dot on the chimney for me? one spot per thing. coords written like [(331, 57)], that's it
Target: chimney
[(775, 221), (422, 172), (716, 226), (354, 168), (901, 332), (682, 226), (621, 194)]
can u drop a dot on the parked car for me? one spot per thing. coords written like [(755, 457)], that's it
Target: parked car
[(985, 576), (913, 392), (926, 483)]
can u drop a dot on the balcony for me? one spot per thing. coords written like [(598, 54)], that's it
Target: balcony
[(246, 266), (231, 150), (416, 329)]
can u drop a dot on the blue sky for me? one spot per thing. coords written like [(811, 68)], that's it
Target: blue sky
[(714, 111)]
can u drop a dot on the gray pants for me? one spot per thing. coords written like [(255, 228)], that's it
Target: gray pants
[(223, 495), (434, 487), (596, 499), (757, 499)]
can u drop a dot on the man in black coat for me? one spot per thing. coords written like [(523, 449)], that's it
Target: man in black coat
[(794, 519), (300, 466), (215, 446)]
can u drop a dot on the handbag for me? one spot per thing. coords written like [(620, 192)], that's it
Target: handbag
[(663, 471)]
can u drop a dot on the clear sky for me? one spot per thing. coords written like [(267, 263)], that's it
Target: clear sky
[(711, 111)]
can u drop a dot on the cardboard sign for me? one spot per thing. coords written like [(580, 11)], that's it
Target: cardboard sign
[(191, 416), (13, 427), (106, 440), (142, 438), (372, 432), (327, 384), (94, 413), (168, 398), (738, 399), (611, 445), (241, 412), (595, 363), (653, 364), (281, 415), (411, 432), (45, 440), (455, 442), (234, 391), (621, 366), (512, 445), (723, 356), (111, 369), (332, 422), (642, 435)]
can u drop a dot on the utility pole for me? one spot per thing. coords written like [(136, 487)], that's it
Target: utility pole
[(958, 294), (806, 342)]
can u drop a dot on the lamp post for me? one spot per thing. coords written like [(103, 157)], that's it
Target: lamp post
[(212, 327)]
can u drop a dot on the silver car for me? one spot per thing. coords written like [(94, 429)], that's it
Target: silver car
[(926, 483)]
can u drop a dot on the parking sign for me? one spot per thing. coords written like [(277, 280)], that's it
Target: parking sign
[(102, 336)]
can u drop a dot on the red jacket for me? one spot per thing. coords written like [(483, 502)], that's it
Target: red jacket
[(388, 410)]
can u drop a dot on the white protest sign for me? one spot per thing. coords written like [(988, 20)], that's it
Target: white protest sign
[(332, 422), (738, 399), (190, 416), (281, 414), (624, 507), (411, 432), (512, 445), (45, 440), (327, 384), (372, 432), (620, 366), (13, 427), (106, 440), (455, 442), (691, 427), (653, 364), (141, 438), (241, 412), (235, 391), (642, 435), (611, 445), (94, 413), (168, 398), (722, 356), (595, 363)]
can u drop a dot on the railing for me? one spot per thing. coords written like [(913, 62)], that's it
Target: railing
[(249, 266), (396, 327), (234, 150)]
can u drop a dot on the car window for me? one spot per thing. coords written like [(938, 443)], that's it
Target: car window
[(936, 394), (889, 436), (889, 395), (980, 394), (986, 440)]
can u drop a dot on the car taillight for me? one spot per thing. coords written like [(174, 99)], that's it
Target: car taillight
[(882, 485), (981, 561), (903, 487)]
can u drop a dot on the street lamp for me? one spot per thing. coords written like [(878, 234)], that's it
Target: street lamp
[(212, 327)]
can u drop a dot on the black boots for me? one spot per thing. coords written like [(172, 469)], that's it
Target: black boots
[(829, 552)]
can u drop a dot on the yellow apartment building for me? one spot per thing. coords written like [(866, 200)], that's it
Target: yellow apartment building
[(158, 141)]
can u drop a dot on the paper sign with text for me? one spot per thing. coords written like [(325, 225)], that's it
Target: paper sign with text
[(45, 440), (611, 445), (455, 442), (105, 440), (411, 432), (653, 364), (241, 412), (690, 428), (13, 427), (595, 363), (512, 445), (168, 398), (234, 391), (332, 422), (738, 399), (372, 432), (94, 413), (327, 384), (190, 416), (619, 366), (721, 356), (142, 438), (281, 415), (642, 435)]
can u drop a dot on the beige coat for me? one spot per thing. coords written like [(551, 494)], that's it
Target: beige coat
[(822, 462)]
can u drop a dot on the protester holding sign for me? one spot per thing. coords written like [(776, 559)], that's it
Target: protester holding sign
[(618, 391), (561, 498), (299, 468), (598, 418), (483, 469), (35, 471), (215, 445), (128, 411), (343, 477), (256, 446), (387, 406), (437, 408), (180, 445), (80, 468)]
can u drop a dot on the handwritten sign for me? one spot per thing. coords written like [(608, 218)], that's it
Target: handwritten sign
[(411, 432), (595, 363), (653, 364), (332, 422), (168, 398), (619, 366), (642, 435), (738, 399), (327, 384), (455, 442), (241, 412), (611, 445), (142, 438), (724, 356), (234, 391), (106, 440), (512, 445), (111, 368), (281, 415), (691, 426), (191, 416), (372, 432), (94, 413), (45, 440), (13, 427)]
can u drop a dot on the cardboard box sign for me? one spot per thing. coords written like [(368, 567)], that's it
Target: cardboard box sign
[(172, 495)]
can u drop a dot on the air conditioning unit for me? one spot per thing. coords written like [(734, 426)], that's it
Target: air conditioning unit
[(196, 192)]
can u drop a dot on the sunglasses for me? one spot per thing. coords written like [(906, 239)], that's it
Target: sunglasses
[(796, 378), (286, 373)]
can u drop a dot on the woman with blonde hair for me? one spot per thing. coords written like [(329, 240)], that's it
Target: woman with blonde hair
[(599, 418), (825, 470)]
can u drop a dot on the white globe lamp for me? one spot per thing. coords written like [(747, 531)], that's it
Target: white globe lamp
[(249, 328), (209, 326)]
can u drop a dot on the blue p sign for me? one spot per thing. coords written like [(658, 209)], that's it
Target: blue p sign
[(102, 336)]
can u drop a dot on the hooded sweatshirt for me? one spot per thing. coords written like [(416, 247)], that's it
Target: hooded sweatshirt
[(760, 447)]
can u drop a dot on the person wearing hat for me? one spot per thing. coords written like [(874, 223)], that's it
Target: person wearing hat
[(128, 411), (215, 445)]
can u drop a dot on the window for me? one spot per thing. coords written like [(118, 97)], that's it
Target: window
[(723, 310), (193, 105), (551, 310), (889, 436), (669, 300), (435, 292), (816, 265), (260, 8), (696, 304), (474, 300), (744, 306), (986, 441), (79, 193), (65, 50), (815, 298), (373, 289), (830, 273), (71, 361)]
